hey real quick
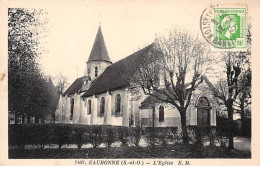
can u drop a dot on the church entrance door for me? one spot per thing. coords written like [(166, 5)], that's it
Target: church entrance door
[(203, 111), (203, 117)]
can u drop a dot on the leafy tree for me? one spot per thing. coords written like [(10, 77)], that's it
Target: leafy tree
[(30, 93), (45, 100)]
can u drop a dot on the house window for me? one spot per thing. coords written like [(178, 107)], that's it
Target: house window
[(102, 107), (117, 105), (96, 71), (89, 106), (161, 114), (71, 108)]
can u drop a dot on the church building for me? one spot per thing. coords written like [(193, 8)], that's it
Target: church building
[(102, 96)]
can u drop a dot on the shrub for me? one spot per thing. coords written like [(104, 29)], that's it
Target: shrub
[(212, 136), (163, 136), (222, 135), (17, 135), (108, 135), (173, 134), (160, 135), (30, 134), (192, 133), (123, 135), (39, 134), (95, 136), (179, 135), (62, 133), (136, 135), (197, 133), (150, 135), (79, 135)]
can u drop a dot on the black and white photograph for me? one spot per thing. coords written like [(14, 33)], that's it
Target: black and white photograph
[(129, 83)]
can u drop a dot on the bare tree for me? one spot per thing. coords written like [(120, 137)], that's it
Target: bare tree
[(61, 81), (227, 90), (237, 81), (171, 71)]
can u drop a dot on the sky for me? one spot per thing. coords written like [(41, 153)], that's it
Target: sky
[(126, 26)]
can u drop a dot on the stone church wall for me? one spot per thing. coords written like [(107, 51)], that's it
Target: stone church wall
[(130, 114), (109, 117)]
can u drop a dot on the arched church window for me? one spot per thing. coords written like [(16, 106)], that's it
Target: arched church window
[(71, 108), (89, 106), (161, 114), (96, 71), (102, 107), (117, 105)]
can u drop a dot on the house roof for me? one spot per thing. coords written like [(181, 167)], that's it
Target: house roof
[(99, 50), (117, 75), (75, 86), (211, 86), (149, 102)]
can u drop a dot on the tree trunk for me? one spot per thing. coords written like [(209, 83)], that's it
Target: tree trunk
[(23, 118), (243, 128), (15, 118), (153, 115), (53, 117), (185, 136), (36, 119), (28, 119), (230, 110)]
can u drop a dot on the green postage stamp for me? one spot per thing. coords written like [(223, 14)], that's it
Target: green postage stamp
[(230, 27), (224, 27)]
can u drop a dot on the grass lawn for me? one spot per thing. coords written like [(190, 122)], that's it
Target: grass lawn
[(170, 151)]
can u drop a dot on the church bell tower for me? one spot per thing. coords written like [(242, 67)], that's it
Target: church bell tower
[(98, 59)]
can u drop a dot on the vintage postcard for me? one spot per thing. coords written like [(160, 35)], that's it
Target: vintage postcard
[(129, 83)]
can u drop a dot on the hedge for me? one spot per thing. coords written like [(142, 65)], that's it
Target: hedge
[(161, 135), (164, 135), (213, 133), (79, 134)]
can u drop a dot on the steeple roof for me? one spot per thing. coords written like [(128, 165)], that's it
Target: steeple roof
[(119, 74), (99, 50)]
